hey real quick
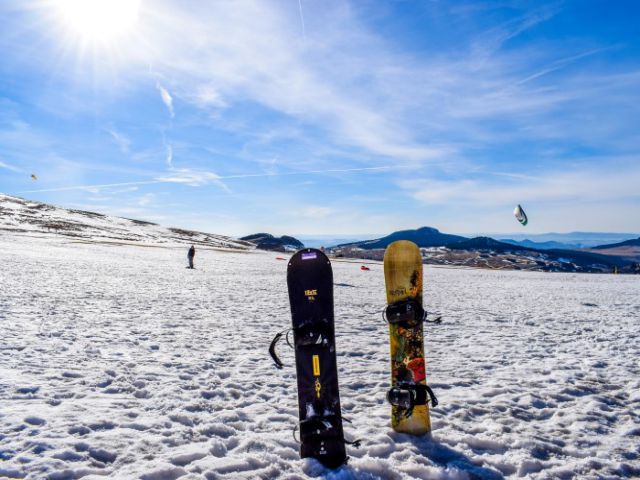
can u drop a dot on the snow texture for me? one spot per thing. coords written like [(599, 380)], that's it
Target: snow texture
[(118, 362)]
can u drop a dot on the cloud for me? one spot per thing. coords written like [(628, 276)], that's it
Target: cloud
[(316, 211), (493, 39), (145, 200), (370, 93), (193, 178), (169, 157), (583, 184), (120, 140), (167, 99), (207, 96), (199, 178), (251, 51), (10, 167)]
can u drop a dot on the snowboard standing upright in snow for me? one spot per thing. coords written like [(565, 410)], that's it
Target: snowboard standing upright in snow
[(310, 282), (409, 394)]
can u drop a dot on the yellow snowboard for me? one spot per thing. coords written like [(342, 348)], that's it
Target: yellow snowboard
[(403, 280)]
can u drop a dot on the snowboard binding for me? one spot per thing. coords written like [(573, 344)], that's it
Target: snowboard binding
[(319, 427), (407, 396), (407, 314), (305, 337)]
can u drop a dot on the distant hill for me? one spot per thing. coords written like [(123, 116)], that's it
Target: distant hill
[(27, 217), (487, 252), (578, 257), (559, 259), (486, 243), (629, 250), (266, 241), (423, 237), (548, 245), (635, 242), (317, 241), (568, 240)]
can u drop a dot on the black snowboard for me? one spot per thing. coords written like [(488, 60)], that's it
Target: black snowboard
[(310, 282)]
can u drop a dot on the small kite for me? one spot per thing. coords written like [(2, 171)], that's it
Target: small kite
[(33, 176), (520, 215)]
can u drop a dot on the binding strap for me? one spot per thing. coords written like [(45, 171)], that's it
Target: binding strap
[(405, 313), (325, 426), (317, 425), (407, 396), (272, 347), (305, 336)]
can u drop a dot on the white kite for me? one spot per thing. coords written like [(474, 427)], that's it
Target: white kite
[(520, 215)]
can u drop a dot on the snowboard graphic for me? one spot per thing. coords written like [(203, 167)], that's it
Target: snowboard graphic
[(310, 282), (409, 394)]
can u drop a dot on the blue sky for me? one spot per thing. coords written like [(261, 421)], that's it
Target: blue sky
[(334, 117)]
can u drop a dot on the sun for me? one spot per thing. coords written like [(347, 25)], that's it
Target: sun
[(97, 21)]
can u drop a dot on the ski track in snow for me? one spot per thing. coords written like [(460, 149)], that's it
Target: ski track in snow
[(117, 361)]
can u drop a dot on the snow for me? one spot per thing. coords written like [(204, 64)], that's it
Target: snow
[(117, 361), (28, 217)]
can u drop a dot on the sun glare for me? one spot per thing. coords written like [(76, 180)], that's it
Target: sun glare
[(98, 21)]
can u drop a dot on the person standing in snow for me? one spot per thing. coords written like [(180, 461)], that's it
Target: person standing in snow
[(190, 255)]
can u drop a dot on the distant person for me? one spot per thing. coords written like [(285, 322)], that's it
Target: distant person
[(190, 255)]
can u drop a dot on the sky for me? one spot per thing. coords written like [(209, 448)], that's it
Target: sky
[(326, 117)]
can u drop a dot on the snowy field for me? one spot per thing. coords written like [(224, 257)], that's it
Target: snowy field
[(116, 361)]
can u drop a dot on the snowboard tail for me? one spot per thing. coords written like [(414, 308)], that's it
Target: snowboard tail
[(310, 284), (409, 394)]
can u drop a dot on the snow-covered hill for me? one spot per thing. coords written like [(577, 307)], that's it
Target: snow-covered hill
[(117, 362), (28, 217)]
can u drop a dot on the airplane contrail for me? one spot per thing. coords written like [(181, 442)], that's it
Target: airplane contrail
[(304, 32), (217, 177), (312, 172)]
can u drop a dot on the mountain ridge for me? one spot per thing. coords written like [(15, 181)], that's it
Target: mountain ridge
[(18, 215), (423, 237), (266, 241)]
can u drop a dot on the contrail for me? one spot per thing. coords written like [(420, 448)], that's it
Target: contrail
[(304, 32), (313, 172), (217, 177), (89, 187)]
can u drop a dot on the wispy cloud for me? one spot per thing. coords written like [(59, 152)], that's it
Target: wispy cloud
[(561, 63), (251, 51), (146, 199), (120, 140), (167, 99), (169, 156), (586, 184), (349, 82), (10, 167), (195, 178), (316, 211), (491, 40)]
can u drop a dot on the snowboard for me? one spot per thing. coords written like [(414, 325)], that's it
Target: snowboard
[(310, 284), (409, 395)]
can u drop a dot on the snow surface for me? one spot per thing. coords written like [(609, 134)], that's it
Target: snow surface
[(117, 361)]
